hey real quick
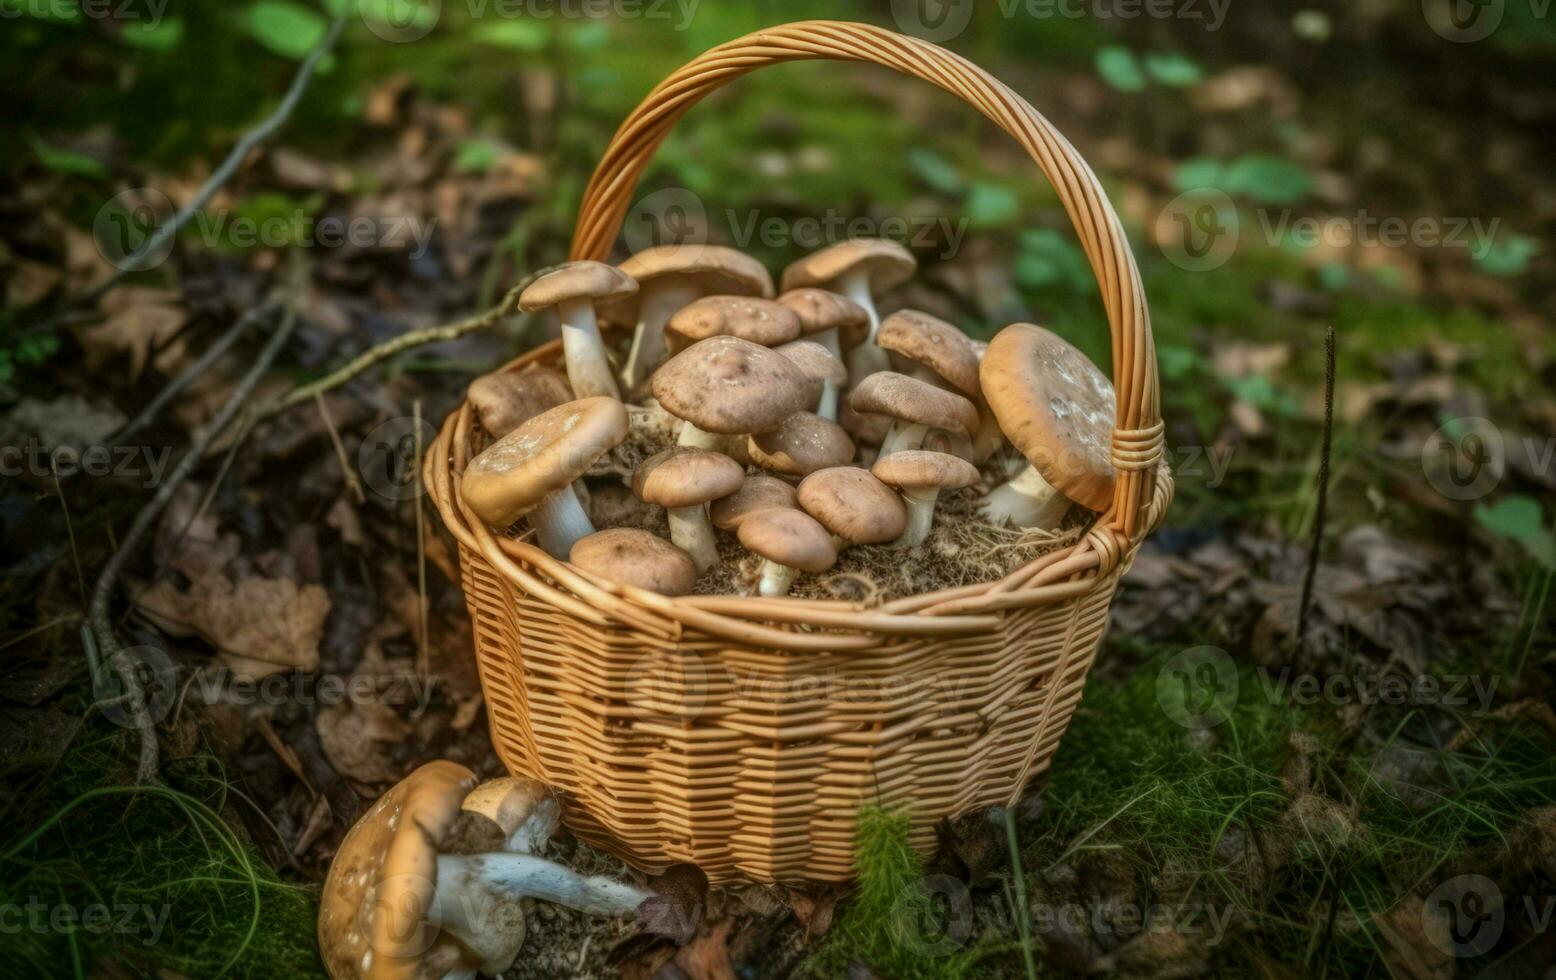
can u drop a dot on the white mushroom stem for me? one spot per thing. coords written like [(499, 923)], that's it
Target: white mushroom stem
[(659, 303), (697, 438), (988, 439), (560, 522), (776, 579), (826, 407), (1026, 501), (903, 437), (692, 532), (867, 357), (477, 897), (588, 366), (921, 516)]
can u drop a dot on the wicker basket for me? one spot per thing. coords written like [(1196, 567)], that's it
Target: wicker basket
[(744, 734)]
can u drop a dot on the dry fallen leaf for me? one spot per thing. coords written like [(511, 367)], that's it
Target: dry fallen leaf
[(139, 319), (263, 625), (359, 740)]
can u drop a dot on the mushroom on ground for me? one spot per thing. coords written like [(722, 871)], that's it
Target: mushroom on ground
[(859, 269), (673, 276), (760, 321), (789, 542), (683, 480), (818, 364), (759, 492), (1058, 410), (637, 558), (729, 386), (921, 475), (941, 354), (573, 289), (506, 398), (803, 444), (532, 468), (917, 406), (836, 323), (509, 813), (399, 903), (852, 504)]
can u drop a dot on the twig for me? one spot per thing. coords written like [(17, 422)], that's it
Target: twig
[(423, 604), (201, 364), (1319, 511), (219, 177), (386, 350), (70, 530), (340, 450), (98, 630)]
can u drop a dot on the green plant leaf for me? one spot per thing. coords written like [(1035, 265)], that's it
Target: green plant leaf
[(1199, 173), (399, 14), (1519, 519), (163, 35), (1267, 178), (1508, 255), (1046, 259), (285, 28), (1118, 67), (477, 155), (992, 205), (1172, 69), (67, 161), (515, 35), (934, 170)]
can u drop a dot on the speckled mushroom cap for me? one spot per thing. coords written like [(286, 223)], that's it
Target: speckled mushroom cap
[(760, 321), (759, 492), (637, 558), (730, 386), (576, 280), (380, 885), (887, 264), (866, 428), (822, 309), (542, 455), (922, 469), (934, 343), (914, 401), (507, 398), (815, 360), (1056, 407), (789, 537), (686, 477), (803, 444), (853, 504), (709, 268)]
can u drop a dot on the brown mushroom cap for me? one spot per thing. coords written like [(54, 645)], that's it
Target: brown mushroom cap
[(887, 264), (921, 469), (686, 477), (866, 428), (505, 399), (791, 538), (542, 455), (853, 504), (760, 321), (708, 268), (730, 386), (913, 401), (1056, 407), (380, 885), (635, 557), (803, 444), (576, 280), (759, 492), (814, 360), (822, 309), (934, 343)]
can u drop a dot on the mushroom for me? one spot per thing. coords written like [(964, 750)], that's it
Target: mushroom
[(573, 289), (729, 386), (398, 902), (504, 399), (835, 322), (760, 321), (1057, 409), (866, 428), (941, 354), (803, 444), (789, 542), (670, 277), (917, 407), (818, 364), (759, 492), (510, 813), (921, 475), (612, 504), (859, 268), (852, 504), (532, 468), (683, 480), (637, 558)]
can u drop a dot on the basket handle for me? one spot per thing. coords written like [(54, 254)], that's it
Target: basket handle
[(1137, 436)]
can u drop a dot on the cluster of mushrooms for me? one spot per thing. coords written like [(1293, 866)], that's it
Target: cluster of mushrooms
[(807, 423)]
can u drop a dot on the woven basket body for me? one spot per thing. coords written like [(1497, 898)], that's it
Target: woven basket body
[(744, 734)]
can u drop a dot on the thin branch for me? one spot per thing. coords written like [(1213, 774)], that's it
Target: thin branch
[(1320, 511), (218, 179)]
